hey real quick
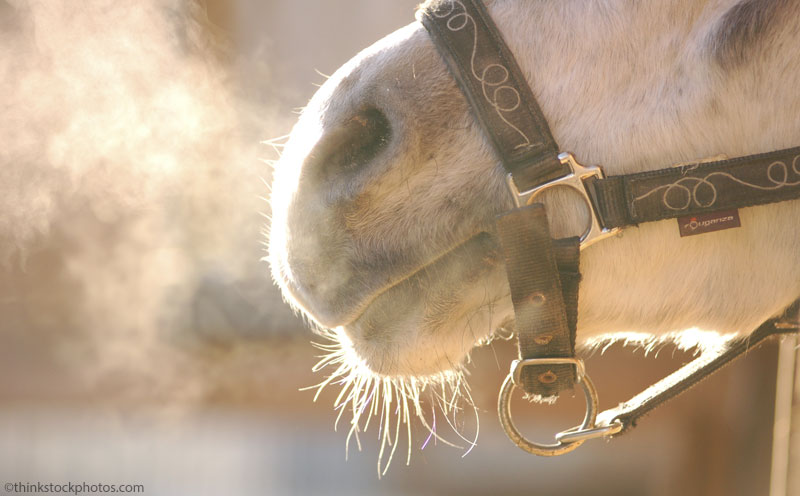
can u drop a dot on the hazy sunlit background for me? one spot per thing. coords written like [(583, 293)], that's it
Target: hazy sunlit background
[(141, 340)]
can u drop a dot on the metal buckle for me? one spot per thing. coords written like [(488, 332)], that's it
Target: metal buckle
[(594, 232), (567, 440), (518, 365)]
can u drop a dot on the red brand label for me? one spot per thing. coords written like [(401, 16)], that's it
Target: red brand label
[(710, 222)]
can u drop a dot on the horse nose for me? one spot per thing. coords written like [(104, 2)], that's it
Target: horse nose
[(319, 247), (349, 146)]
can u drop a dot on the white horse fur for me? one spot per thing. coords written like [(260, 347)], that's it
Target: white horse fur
[(383, 203)]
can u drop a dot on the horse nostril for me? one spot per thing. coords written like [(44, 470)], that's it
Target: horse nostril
[(355, 143)]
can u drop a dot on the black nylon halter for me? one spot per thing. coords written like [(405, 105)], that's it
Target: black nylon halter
[(544, 273)]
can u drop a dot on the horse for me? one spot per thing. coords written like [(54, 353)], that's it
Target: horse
[(384, 199)]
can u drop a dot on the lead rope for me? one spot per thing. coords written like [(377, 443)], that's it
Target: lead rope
[(631, 411), (785, 423)]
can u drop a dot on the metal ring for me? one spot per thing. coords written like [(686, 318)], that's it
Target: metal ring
[(575, 180), (560, 448), (577, 188)]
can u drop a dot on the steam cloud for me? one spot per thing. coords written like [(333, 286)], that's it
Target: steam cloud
[(129, 193)]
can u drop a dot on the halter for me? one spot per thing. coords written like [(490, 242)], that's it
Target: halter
[(543, 273)]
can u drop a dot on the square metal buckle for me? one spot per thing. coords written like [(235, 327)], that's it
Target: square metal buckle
[(518, 365), (595, 231)]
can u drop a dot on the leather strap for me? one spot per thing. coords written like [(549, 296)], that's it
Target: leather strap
[(695, 189), (631, 411), (498, 93), (543, 276)]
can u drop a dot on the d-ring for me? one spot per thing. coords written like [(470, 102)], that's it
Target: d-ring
[(559, 448)]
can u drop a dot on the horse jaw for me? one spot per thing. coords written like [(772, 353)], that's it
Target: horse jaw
[(396, 251)]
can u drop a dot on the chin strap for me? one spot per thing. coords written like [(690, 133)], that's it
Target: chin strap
[(544, 291)]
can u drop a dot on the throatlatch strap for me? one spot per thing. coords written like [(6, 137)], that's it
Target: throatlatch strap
[(696, 189), (545, 327), (488, 75), (698, 369)]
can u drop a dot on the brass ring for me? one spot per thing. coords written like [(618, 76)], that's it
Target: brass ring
[(559, 448)]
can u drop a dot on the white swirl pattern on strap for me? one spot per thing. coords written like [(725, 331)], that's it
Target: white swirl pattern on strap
[(691, 190), (492, 89)]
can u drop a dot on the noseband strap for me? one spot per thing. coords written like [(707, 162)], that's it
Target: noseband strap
[(496, 89)]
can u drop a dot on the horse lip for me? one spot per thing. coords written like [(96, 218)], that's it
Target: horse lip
[(480, 238), (352, 299), (320, 314)]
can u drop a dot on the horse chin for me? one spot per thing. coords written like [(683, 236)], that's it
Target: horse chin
[(427, 323)]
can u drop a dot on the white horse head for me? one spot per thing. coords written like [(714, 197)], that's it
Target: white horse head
[(383, 203)]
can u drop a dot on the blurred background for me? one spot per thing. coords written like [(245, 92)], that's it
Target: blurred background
[(141, 340)]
